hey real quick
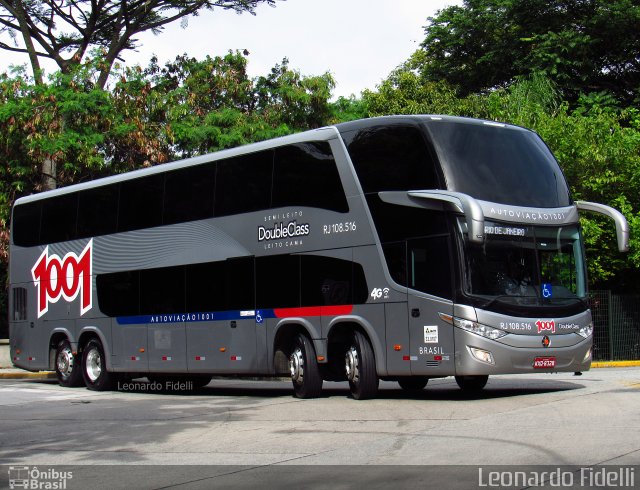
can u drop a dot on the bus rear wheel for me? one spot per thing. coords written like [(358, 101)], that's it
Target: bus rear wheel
[(94, 368), (360, 368), (68, 369), (305, 373), (472, 384)]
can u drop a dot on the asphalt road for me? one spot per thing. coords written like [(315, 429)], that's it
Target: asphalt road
[(246, 433)]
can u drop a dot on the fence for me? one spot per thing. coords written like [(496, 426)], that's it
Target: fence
[(616, 321)]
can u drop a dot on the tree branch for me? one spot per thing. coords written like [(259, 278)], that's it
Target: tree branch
[(62, 26)]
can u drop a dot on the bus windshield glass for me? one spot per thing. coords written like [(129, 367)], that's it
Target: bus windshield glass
[(525, 266), (499, 164)]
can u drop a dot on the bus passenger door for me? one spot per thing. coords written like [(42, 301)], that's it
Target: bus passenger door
[(240, 334), (22, 325), (430, 284)]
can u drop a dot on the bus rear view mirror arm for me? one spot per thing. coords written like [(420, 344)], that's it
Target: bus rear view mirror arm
[(622, 227), (463, 203)]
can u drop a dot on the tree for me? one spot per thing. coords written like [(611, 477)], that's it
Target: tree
[(151, 116), (190, 107), (64, 30), (583, 45)]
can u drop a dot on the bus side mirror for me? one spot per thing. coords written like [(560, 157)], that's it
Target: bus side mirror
[(462, 203), (439, 200), (622, 227)]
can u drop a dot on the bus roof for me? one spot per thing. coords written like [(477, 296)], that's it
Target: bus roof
[(420, 119), (320, 134)]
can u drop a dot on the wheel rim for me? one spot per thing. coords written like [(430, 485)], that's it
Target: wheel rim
[(94, 365), (296, 366), (352, 365), (64, 362)]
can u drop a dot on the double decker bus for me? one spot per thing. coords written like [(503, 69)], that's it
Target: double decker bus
[(400, 248)]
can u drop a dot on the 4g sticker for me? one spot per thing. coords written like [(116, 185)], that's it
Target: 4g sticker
[(380, 293), (65, 277)]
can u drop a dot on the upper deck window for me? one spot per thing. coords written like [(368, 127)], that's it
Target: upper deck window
[(391, 158), (306, 175), (499, 164), (302, 174)]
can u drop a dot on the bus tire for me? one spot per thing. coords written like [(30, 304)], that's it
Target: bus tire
[(305, 373), (94, 368), (68, 366), (472, 384), (360, 368), (413, 383)]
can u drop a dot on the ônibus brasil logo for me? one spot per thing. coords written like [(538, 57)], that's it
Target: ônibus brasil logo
[(65, 277)]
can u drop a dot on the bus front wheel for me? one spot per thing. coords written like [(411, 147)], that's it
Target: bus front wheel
[(68, 369), (305, 373), (360, 368), (94, 368), (471, 384)]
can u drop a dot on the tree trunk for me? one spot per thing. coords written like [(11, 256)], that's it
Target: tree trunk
[(26, 35), (49, 181)]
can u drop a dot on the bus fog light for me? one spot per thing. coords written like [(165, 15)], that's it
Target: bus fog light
[(587, 331), (587, 356), (482, 355)]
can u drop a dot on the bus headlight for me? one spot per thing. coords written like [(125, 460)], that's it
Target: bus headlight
[(479, 328), (586, 331)]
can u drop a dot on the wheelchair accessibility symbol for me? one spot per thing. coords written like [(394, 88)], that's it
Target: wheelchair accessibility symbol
[(547, 292), (259, 318)]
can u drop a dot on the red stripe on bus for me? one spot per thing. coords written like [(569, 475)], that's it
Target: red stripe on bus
[(313, 311)]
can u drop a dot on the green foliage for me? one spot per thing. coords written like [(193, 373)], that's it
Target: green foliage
[(190, 107), (406, 92), (348, 109), (582, 45), (151, 116)]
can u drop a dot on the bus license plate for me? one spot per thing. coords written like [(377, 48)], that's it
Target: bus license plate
[(544, 362)]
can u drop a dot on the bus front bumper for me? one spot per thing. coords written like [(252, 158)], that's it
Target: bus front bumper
[(519, 354)]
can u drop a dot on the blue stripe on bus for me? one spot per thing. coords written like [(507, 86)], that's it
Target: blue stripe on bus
[(258, 315), (207, 316)]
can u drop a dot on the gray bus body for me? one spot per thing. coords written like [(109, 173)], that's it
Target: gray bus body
[(401, 248)]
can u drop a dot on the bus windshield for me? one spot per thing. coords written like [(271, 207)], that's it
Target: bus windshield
[(499, 164), (525, 266)]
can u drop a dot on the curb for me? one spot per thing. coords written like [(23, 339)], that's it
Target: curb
[(27, 375), (614, 364)]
